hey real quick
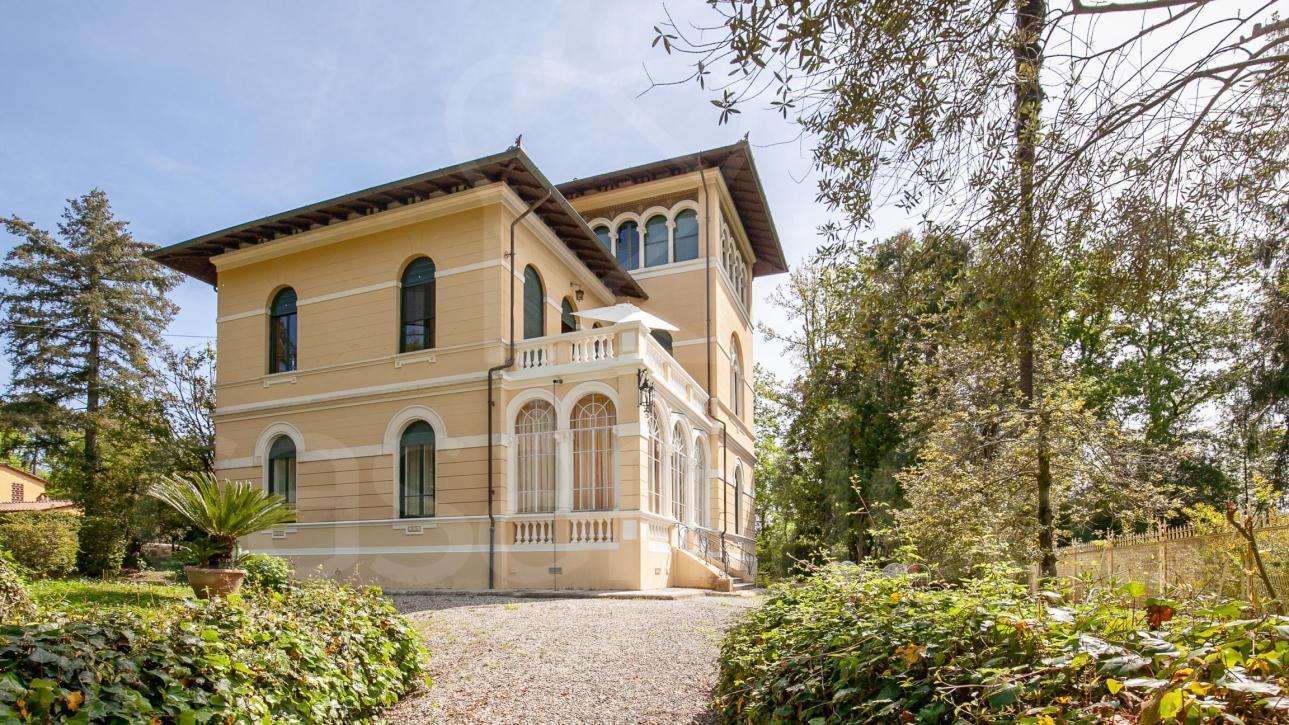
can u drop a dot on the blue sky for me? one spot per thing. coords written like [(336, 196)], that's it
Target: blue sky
[(197, 116)]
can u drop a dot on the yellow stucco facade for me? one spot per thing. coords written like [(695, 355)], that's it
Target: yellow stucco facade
[(345, 408), (19, 486)]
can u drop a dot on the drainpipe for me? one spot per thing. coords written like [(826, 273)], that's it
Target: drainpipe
[(492, 375), (711, 396)]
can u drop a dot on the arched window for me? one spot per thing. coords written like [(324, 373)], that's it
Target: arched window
[(535, 457), (417, 306), (629, 245), (282, 330), (567, 320), (736, 377), (282, 468), (656, 241), (416, 471), (679, 474), (701, 492), (534, 304), (653, 444), (735, 265), (738, 500), (605, 236), (594, 442), (686, 246), (663, 337)]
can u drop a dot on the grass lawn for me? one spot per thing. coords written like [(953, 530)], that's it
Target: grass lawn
[(77, 596)]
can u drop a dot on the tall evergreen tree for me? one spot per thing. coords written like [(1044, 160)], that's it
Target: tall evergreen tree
[(81, 312)]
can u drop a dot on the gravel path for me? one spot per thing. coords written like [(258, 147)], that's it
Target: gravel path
[(498, 659)]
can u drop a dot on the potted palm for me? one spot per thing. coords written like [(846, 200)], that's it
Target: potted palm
[(225, 513)]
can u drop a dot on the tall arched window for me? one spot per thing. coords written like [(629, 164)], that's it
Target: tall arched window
[(736, 377), (605, 236), (701, 492), (738, 500), (679, 474), (663, 337), (416, 471), (653, 444), (535, 457), (417, 308), (282, 468), (594, 441), (656, 241), (686, 246), (629, 245), (567, 320), (282, 330), (534, 304)]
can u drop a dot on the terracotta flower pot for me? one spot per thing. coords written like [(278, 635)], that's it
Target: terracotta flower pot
[(208, 583)]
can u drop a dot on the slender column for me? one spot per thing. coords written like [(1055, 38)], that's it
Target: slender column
[(665, 469), (563, 470)]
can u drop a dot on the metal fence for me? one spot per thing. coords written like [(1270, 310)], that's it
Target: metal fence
[(1185, 560)]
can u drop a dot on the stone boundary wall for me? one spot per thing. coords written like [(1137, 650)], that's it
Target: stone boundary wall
[(1183, 560)]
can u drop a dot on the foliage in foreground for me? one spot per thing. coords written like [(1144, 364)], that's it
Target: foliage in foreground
[(848, 644), (44, 542), (321, 652), (267, 572), (14, 603)]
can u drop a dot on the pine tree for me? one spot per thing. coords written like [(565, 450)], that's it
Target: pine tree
[(80, 314)]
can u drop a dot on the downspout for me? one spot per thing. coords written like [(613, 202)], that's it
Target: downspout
[(711, 397), (492, 374)]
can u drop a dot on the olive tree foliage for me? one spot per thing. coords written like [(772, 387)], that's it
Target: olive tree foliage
[(1020, 122)]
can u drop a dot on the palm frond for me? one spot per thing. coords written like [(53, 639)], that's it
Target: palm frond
[(226, 512)]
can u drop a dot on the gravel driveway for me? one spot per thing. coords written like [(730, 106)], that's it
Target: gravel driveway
[(501, 659)]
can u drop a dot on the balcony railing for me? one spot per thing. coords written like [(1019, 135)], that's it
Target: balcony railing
[(626, 341), (582, 527), (572, 347)]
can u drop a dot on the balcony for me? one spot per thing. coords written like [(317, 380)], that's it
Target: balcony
[(623, 345)]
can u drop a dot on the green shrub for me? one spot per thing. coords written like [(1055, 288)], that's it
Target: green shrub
[(267, 572), (320, 652), (42, 543), (102, 546), (14, 603), (849, 645)]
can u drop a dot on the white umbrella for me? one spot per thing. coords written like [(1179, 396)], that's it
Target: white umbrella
[(627, 312)]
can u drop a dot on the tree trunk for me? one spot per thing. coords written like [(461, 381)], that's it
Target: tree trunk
[(93, 382), (1028, 56)]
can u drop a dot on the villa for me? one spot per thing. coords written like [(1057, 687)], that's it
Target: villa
[(475, 379)]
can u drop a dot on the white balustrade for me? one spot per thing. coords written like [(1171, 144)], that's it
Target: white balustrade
[(658, 532), (534, 532), (592, 348), (596, 530), (536, 357)]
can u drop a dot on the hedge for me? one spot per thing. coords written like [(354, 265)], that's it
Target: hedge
[(849, 645), (321, 652), (102, 546), (267, 572), (14, 602), (43, 543)]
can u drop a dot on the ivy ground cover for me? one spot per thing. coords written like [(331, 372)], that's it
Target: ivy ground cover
[(316, 653), (850, 645)]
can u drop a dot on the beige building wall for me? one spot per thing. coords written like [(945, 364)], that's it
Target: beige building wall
[(18, 486), (345, 405)]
